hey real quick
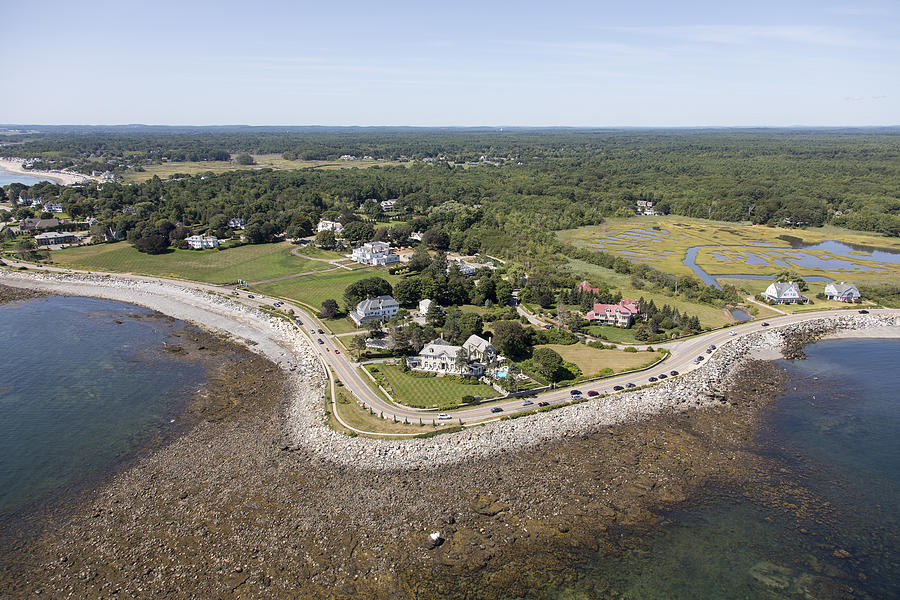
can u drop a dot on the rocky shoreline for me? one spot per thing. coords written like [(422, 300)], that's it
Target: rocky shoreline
[(15, 294)]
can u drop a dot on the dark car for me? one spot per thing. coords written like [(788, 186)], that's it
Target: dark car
[(320, 340), (699, 358), (299, 322), (629, 385), (673, 373), (251, 296), (543, 404), (863, 311), (712, 346), (320, 331), (618, 388), (661, 376), (576, 394), (497, 409), (653, 379), (765, 324), (592, 393)]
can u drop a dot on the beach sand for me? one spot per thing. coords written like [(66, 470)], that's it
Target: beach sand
[(60, 177)]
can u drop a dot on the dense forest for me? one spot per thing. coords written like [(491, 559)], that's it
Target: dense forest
[(531, 183)]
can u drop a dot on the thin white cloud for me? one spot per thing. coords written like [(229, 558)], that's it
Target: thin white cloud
[(862, 11), (745, 34)]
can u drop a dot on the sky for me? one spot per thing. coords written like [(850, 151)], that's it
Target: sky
[(425, 63)]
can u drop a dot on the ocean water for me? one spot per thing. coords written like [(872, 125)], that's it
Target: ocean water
[(82, 385), (833, 530), (7, 178)]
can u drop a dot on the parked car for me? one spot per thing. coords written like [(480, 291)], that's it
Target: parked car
[(543, 403), (652, 379), (576, 394), (497, 409), (712, 346), (593, 393), (661, 376), (299, 322), (863, 311), (765, 324), (700, 358), (320, 340), (618, 388), (629, 385), (673, 373), (444, 416)]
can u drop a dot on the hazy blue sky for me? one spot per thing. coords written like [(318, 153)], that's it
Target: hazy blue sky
[(452, 63)]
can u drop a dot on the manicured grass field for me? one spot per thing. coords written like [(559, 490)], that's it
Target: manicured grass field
[(662, 242), (591, 360), (313, 252), (315, 288), (341, 325), (424, 392), (356, 416), (710, 316), (263, 161), (250, 263), (619, 335)]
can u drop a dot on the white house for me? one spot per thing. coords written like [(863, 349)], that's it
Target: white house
[(381, 308), (374, 253), (388, 204), (53, 207), (479, 349), (236, 223), (784, 292), (843, 292), (440, 356), (416, 235), (332, 226), (424, 305), (198, 242)]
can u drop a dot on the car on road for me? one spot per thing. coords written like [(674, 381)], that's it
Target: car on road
[(320, 340), (652, 379), (336, 351), (576, 394), (661, 376), (733, 333), (543, 403), (673, 373), (299, 322), (765, 324), (444, 416), (527, 402), (592, 393), (320, 331), (618, 388), (235, 293), (863, 311), (629, 385), (700, 358), (712, 347), (497, 409), (251, 296)]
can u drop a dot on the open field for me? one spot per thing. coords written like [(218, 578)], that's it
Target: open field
[(756, 286), (251, 262), (356, 416), (341, 325), (425, 392), (742, 248), (263, 161), (619, 335), (591, 360), (709, 316), (315, 288)]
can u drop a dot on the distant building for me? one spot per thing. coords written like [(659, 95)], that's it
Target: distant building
[(784, 292), (347, 157), (332, 226), (374, 253), (424, 305), (32, 224), (199, 242), (416, 235), (388, 204), (236, 223), (585, 286), (53, 207), (381, 308), (842, 292), (622, 314), (52, 238)]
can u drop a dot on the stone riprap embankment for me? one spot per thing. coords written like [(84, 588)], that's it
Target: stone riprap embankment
[(304, 414)]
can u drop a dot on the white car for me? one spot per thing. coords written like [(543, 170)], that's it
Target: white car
[(443, 416), (733, 333)]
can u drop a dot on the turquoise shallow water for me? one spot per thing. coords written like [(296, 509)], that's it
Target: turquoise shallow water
[(835, 435), (79, 391)]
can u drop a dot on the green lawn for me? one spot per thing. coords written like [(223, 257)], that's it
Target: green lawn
[(619, 335), (428, 392), (315, 288), (591, 360), (313, 252), (341, 325), (710, 316), (251, 262)]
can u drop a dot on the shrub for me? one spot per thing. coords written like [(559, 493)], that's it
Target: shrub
[(630, 349)]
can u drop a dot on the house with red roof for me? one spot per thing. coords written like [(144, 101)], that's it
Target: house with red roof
[(622, 314), (585, 286)]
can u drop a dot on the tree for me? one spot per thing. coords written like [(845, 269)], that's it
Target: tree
[(434, 316), (152, 244), (462, 360), (325, 239), (406, 292), (510, 339), (357, 231), (358, 344), (548, 363), (436, 239), (370, 287), (244, 159), (420, 259), (329, 309)]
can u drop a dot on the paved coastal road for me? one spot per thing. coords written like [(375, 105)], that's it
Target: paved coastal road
[(347, 370)]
